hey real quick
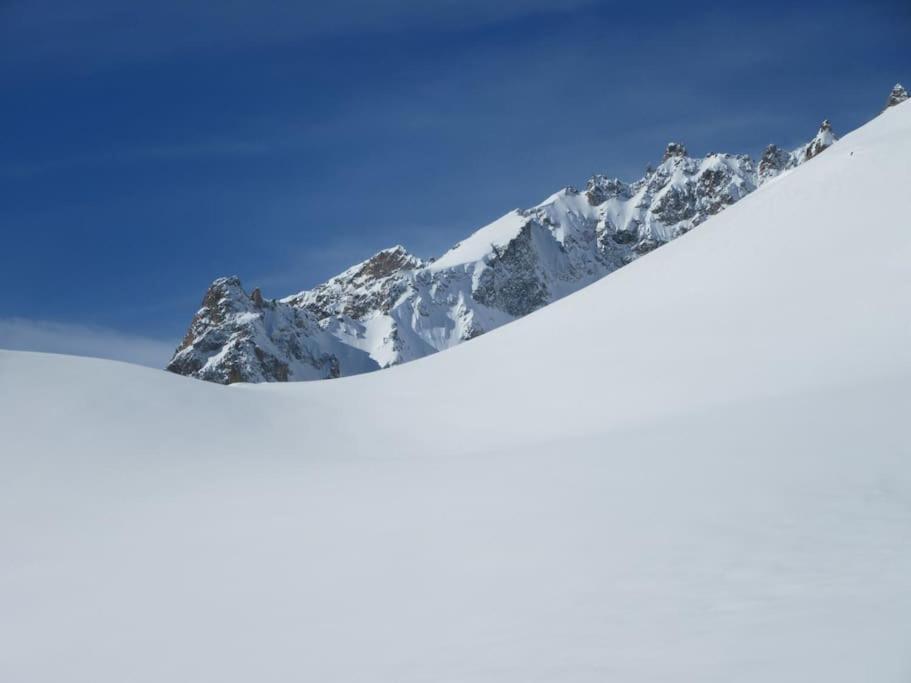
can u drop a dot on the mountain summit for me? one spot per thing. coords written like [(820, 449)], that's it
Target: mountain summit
[(823, 140), (394, 307), (897, 96)]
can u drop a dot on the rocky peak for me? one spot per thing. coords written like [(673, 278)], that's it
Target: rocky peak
[(385, 263), (824, 138), (236, 337), (225, 293), (674, 149), (897, 96), (222, 287), (599, 189), (773, 161)]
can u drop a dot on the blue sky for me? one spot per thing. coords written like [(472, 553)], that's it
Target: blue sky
[(151, 147)]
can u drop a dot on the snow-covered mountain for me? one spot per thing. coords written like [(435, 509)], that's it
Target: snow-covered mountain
[(707, 478), (394, 307), (240, 337)]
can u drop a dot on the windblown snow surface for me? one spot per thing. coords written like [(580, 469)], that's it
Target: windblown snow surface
[(707, 480)]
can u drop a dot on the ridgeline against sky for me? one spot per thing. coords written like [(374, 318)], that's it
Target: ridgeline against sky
[(150, 150)]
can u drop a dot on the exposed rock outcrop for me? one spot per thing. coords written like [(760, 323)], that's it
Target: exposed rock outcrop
[(823, 140), (235, 337), (897, 96)]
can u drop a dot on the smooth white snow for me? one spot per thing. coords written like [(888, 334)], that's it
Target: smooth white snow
[(709, 481), (481, 242)]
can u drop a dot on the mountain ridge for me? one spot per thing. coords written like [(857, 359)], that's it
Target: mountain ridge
[(395, 307)]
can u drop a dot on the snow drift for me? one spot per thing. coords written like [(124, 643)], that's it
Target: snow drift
[(711, 482)]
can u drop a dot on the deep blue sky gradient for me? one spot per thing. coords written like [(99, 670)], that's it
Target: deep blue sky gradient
[(151, 147)]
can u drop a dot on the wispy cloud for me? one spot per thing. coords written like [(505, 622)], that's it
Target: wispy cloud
[(21, 334), (96, 30), (164, 153)]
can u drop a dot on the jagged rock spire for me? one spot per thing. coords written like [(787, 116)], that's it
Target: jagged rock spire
[(384, 263), (897, 96), (824, 138), (240, 337), (773, 161), (674, 149), (600, 188)]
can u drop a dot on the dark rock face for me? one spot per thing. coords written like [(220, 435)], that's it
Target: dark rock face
[(599, 189), (386, 263), (823, 140), (897, 96), (676, 204), (512, 282), (239, 338), (674, 149), (218, 302), (624, 237), (773, 161)]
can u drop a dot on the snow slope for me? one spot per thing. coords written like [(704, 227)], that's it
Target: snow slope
[(712, 483)]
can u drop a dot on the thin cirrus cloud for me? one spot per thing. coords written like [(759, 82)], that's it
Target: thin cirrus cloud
[(49, 29), (215, 149), (20, 334)]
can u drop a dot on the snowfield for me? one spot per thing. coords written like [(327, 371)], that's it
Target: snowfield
[(696, 469)]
